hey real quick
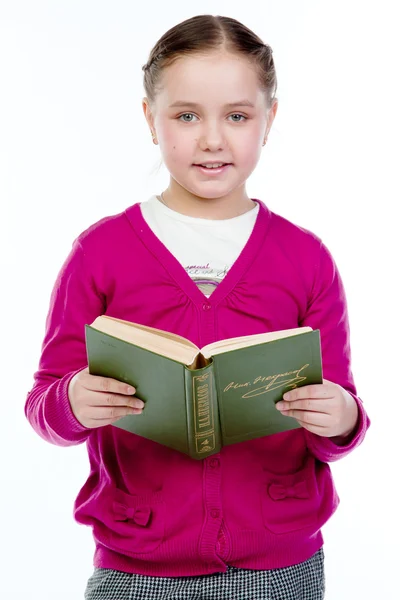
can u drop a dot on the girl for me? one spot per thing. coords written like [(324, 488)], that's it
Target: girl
[(206, 261)]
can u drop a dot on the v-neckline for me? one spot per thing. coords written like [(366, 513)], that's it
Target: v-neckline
[(178, 272)]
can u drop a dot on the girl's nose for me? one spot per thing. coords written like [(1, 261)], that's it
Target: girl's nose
[(212, 139)]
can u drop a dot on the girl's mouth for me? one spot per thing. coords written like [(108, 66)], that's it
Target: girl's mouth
[(212, 169)]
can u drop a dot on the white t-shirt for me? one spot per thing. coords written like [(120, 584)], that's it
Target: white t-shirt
[(206, 248)]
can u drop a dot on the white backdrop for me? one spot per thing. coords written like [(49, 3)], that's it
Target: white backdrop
[(74, 147)]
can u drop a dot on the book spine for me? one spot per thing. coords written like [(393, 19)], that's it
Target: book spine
[(204, 432)]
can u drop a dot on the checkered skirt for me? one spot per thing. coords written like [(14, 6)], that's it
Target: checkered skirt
[(304, 581)]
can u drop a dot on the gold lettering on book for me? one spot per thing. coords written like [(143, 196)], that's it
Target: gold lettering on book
[(291, 379), (203, 412)]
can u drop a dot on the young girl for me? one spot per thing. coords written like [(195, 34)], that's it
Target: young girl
[(206, 261)]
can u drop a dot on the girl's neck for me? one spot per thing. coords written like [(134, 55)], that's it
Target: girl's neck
[(188, 204)]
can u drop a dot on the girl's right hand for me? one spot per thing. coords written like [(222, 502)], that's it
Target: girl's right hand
[(98, 401)]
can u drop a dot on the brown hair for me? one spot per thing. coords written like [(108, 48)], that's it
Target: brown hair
[(207, 33)]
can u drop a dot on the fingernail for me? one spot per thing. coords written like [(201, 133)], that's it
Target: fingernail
[(279, 405), (130, 390)]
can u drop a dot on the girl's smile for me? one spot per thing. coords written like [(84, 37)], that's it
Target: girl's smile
[(213, 169)]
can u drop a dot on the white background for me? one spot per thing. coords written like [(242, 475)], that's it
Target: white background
[(74, 147)]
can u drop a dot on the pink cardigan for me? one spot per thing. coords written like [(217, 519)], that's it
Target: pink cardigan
[(153, 510)]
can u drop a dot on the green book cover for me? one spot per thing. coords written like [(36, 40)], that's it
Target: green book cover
[(198, 400)]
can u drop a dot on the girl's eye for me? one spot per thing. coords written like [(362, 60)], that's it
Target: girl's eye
[(189, 120), (190, 117), (238, 120)]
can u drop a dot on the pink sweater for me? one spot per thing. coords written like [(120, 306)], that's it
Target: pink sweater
[(258, 504)]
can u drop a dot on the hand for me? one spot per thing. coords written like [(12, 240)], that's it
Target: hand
[(326, 409), (98, 401)]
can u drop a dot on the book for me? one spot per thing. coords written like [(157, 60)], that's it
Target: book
[(200, 399)]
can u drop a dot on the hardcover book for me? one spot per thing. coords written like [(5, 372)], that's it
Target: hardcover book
[(200, 399)]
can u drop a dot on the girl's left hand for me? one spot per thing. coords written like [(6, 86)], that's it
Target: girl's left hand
[(326, 409)]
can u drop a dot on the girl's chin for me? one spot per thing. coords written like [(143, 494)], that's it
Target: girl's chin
[(207, 195), (210, 190)]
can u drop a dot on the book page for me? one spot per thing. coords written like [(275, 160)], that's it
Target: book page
[(249, 340), (155, 340)]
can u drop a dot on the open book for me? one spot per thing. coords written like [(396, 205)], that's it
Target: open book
[(200, 399)]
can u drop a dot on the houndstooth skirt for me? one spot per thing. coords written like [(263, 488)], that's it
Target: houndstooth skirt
[(304, 581)]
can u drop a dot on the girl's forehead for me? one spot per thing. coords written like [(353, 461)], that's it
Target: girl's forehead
[(208, 75), (194, 65)]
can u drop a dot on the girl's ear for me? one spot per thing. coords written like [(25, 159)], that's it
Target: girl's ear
[(147, 113), (149, 118), (271, 117)]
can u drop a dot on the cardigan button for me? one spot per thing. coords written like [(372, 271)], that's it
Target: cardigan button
[(206, 306), (214, 513), (214, 463)]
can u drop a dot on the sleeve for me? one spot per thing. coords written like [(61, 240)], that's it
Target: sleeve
[(327, 311), (74, 302)]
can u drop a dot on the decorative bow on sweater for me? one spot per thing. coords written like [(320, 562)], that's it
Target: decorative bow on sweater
[(140, 515), (280, 492)]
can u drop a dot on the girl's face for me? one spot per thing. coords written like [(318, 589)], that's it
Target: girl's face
[(210, 110)]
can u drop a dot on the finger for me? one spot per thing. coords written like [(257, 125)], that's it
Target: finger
[(309, 404), (111, 414), (100, 420), (309, 417), (321, 431), (106, 384), (102, 399), (316, 390)]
